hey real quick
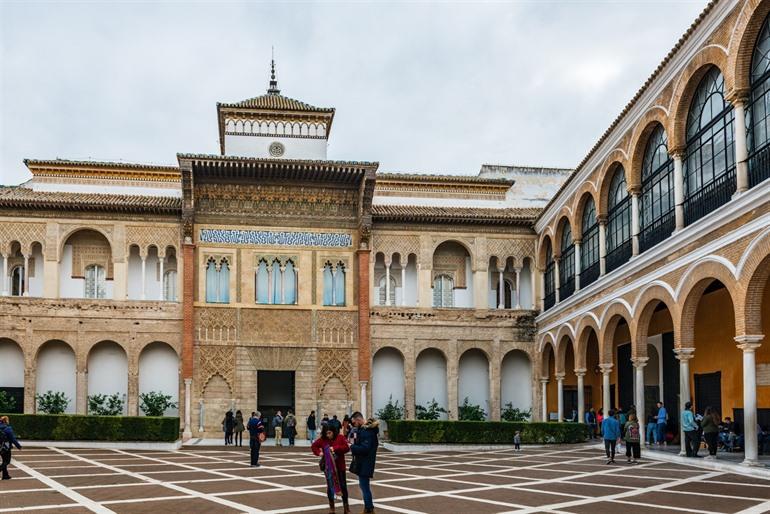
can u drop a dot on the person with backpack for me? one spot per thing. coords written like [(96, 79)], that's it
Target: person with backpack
[(256, 436), (7, 441), (632, 438), (291, 427), (278, 428)]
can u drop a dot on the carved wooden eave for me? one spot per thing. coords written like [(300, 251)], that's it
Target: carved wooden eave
[(60, 168), (454, 215), (18, 197), (442, 186)]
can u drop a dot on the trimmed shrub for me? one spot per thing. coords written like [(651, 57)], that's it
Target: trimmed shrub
[(470, 412), (432, 412), (391, 410), (52, 402), (485, 432), (511, 414), (74, 427), (155, 403), (103, 405), (7, 402)]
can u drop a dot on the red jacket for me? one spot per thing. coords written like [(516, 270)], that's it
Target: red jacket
[(339, 447)]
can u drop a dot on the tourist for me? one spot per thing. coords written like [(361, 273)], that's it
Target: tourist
[(228, 425), (364, 449), (332, 447), (239, 428), (324, 420), (311, 426), (345, 425), (256, 436), (622, 417), (336, 422), (600, 419), (591, 421), (650, 439), (278, 428), (632, 438), (727, 434), (710, 425), (291, 426), (611, 435), (517, 441), (7, 442), (690, 428), (661, 418)]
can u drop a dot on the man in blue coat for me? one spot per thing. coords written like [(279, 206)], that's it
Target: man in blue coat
[(611, 434), (7, 441), (364, 450), (256, 430)]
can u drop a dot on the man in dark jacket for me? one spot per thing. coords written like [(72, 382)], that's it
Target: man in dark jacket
[(255, 428), (364, 450), (7, 441)]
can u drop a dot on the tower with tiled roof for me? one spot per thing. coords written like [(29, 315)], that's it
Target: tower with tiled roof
[(274, 126)]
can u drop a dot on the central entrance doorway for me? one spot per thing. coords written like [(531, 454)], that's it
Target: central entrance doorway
[(275, 391)]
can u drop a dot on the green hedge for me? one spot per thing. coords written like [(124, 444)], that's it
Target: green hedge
[(73, 427), (485, 432)]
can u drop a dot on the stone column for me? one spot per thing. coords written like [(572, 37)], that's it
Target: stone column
[(270, 283), (749, 344), (387, 282), (518, 287), (161, 260), (144, 282), (283, 289), (81, 392), (639, 364), (425, 285), (494, 385), (678, 189), (30, 388), (452, 363), (578, 247), (602, 220), (560, 396), (684, 355), (544, 399), (133, 394), (410, 365), (481, 288), (557, 278), (25, 286), (187, 432), (403, 285), (635, 221), (741, 151), (5, 275), (606, 400), (500, 290), (580, 373)]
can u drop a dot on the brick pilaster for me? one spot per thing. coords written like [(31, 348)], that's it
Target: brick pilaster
[(364, 345), (188, 318)]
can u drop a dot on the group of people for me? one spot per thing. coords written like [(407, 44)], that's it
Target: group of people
[(619, 426), (233, 427)]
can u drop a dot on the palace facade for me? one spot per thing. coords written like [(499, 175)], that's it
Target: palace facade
[(269, 276)]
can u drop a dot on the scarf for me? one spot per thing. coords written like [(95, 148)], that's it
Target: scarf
[(330, 470)]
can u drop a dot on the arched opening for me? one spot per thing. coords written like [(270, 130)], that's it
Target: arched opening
[(334, 398), (108, 371), (159, 372), (57, 372), (473, 379), (516, 381), (619, 246), (431, 380), (501, 274), (656, 210), (758, 113), (526, 285), (217, 399), (452, 276), (387, 378), (12, 373), (549, 295), (622, 377), (550, 391), (85, 266), (566, 262), (589, 251), (593, 378), (569, 388)]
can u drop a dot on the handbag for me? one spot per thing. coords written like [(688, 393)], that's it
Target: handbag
[(355, 465), (262, 437)]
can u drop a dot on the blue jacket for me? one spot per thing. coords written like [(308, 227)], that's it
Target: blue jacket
[(255, 427), (8, 431), (662, 415), (688, 421), (364, 449), (610, 429)]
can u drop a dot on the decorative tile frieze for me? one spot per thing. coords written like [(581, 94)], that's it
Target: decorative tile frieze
[(273, 238)]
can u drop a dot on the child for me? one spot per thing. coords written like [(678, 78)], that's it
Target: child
[(517, 441)]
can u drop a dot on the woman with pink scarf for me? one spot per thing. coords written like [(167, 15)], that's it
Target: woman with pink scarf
[(332, 447)]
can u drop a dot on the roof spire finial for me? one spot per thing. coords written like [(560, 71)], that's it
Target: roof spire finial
[(273, 89)]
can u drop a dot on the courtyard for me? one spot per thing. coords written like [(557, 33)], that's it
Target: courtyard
[(219, 480)]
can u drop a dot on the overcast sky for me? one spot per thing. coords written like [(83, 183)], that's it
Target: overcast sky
[(420, 87)]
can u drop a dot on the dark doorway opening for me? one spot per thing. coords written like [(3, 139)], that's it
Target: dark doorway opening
[(708, 391), (17, 393), (625, 377), (670, 382), (275, 391)]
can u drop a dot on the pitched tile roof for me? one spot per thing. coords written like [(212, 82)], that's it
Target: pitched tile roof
[(26, 198), (276, 102), (421, 213)]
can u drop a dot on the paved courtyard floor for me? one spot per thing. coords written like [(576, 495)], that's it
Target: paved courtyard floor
[(218, 480)]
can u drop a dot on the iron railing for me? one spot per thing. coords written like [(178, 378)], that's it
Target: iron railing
[(710, 197), (657, 231), (759, 166), (589, 275), (618, 256)]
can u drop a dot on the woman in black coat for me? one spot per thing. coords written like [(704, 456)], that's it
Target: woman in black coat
[(364, 450)]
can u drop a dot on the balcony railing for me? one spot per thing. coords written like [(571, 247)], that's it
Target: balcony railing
[(618, 256), (590, 274), (566, 289), (657, 231), (709, 197), (549, 301), (759, 166)]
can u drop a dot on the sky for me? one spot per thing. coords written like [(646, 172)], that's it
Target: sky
[(422, 87)]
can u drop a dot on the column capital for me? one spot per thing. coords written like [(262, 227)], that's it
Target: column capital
[(517, 269), (580, 372), (605, 368), (640, 362), (543, 380), (187, 381), (684, 354), (560, 376), (749, 343), (677, 153)]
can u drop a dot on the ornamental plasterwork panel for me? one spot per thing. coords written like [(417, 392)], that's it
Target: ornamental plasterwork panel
[(280, 359), (288, 326), (84, 255), (336, 327), (216, 325), (516, 248), (275, 238), (389, 244), (144, 236), (282, 259), (452, 264), (69, 228), (334, 363), (24, 233), (217, 360)]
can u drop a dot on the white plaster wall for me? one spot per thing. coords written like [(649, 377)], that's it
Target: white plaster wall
[(258, 146), (387, 378), (411, 285), (107, 369), (36, 282), (134, 284), (151, 283), (525, 283), (75, 287), (464, 297), (430, 380), (11, 365), (159, 371), (473, 380), (56, 372), (516, 381)]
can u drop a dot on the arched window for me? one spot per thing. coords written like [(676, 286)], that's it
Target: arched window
[(549, 298), (328, 284), (618, 222), (217, 281), (334, 284), (589, 252), (95, 282), (262, 278), (383, 291), (169, 286), (709, 167), (566, 264), (508, 289), (339, 285), (289, 284), (759, 112), (657, 207), (275, 296), (443, 291), (17, 281)]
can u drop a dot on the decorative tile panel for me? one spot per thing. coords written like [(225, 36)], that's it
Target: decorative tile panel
[(271, 238)]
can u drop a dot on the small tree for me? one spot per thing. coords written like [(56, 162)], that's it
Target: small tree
[(155, 403), (432, 412), (52, 402), (7, 402), (470, 412), (391, 410), (511, 414), (103, 405)]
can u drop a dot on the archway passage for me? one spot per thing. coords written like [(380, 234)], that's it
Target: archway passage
[(275, 392), (516, 381), (12, 373), (387, 378), (452, 278), (159, 372), (431, 380), (56, 372), (473, 379), (85, 266)]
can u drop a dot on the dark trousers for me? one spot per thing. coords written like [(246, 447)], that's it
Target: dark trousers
[(343, 487), (633, 449), (366, 493), (228, 438), (6, 460), (239, 438), (291, 434), (711, 441), (691, 443), (609, 447), (254, 445)]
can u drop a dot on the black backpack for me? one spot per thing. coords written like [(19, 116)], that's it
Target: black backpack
[(5, 441)]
